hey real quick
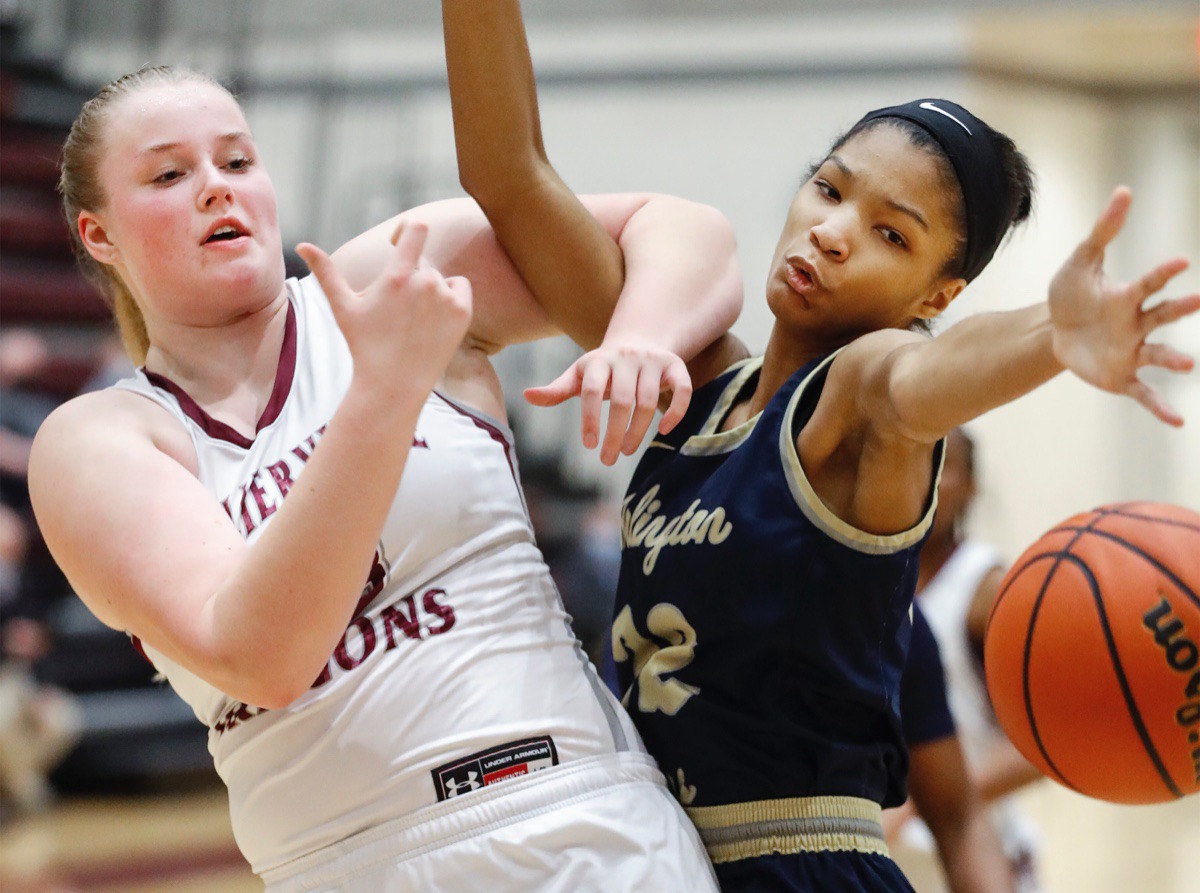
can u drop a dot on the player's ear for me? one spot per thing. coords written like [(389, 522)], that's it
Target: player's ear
[(938, 300), (95, 237)]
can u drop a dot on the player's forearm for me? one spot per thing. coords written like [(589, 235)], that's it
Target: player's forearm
[(973, 858), (498, 136), (973, 367), (571, 265), (279, 614), (683, 286), (1003, 772)]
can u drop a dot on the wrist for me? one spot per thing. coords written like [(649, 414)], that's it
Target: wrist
[(383, 403)]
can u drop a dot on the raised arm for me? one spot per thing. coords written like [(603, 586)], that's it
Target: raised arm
[(568, 262), (571, 264), (1089, 325), (892, 395), (682, 280), (112, 478)]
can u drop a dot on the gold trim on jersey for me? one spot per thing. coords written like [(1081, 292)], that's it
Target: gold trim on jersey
[(789, 825), (819, 514), (708, 441)]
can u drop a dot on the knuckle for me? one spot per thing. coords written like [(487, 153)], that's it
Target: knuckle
[(397, 278), (423, 280)]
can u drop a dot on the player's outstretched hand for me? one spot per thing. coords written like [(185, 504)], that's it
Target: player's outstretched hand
[(406, 325), (1100, 327), (632, 378)]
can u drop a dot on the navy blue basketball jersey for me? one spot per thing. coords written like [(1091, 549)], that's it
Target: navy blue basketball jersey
[(759, 639), (924, 710)]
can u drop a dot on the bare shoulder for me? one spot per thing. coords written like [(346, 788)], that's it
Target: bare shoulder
[(865, 355), (84, 429), (853, 393), (861, 465), (106, 471)]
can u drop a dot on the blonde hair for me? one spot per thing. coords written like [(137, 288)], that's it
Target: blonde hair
[(81, 190)]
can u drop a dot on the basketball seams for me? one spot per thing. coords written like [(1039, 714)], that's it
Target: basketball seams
[(1186, 590), (1115, 510), (1027, 654), (1126, 691), (1057, 545)]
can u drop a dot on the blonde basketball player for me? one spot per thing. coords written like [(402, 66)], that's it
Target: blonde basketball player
[(305, 507)]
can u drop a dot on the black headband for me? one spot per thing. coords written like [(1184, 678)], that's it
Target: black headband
[(968, 144)]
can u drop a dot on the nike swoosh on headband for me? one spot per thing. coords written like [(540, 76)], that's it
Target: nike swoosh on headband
[(934, 108)]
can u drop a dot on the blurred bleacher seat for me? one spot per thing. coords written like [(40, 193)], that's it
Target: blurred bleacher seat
[(135, 729)]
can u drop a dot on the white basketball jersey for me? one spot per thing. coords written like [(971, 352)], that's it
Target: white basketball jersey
[(946, 601), (459, 668)]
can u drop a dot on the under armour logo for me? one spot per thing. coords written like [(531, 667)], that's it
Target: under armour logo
[(454, 787), (933, 108)]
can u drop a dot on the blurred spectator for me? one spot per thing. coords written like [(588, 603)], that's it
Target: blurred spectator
[(959, 580), (23, 356), (114, 364), (578, 532), (38, 723), (586, 572)]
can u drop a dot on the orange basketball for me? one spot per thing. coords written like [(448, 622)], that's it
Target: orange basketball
[(1092, 653)]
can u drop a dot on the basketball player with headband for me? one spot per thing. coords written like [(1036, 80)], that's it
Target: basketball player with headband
[(305, 507), (771, 538)]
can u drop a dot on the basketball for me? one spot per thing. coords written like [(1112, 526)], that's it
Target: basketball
[(1092, 653)]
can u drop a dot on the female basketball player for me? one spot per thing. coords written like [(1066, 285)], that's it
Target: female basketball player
[(347, 719), (770, 539), (957, 584), (940, 788)]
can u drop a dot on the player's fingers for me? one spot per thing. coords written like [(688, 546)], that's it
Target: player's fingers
[(410, 242), (336, 289), (558, 391), (677, 379), (649, 386), (1150, 283), (1107, 225), (1165, 357), (622, 393), (1153, 401), (1168, 311), (593, 384)]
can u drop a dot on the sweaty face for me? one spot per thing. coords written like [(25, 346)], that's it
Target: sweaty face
[(189, 220), (866, 240)]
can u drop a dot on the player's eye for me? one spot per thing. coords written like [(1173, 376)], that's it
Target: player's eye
[(827, 189)]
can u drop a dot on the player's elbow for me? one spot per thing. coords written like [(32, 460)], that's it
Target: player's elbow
[(280, 693), (719, 242), (265, 673), (498, 180), (268, 687)]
